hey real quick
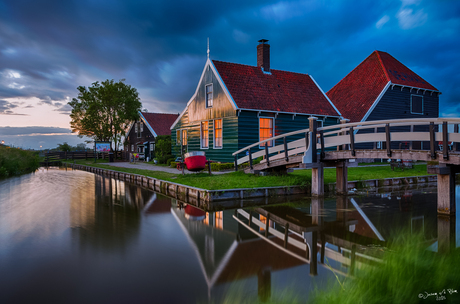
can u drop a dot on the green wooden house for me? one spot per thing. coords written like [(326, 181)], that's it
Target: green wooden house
[(236, 105)]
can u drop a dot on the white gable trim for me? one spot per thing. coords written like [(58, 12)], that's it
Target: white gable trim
[(221, 82), (376, 101), (337, 110), (148, 125)]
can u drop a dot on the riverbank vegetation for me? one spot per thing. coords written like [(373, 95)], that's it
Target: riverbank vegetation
[(234, 180), (15, 161)]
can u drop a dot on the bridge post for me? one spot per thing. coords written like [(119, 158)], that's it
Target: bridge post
[(446, 188), (313, 130), (341, 186), (317, 180), (343, 121)]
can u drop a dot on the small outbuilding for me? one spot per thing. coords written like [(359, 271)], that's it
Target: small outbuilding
[(142, 133)]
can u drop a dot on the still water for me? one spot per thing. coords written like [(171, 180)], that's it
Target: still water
[(76, 237)]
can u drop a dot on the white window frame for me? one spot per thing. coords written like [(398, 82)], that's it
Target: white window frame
[(201, 135), (208, 105), (139, 128), (411, 104), (214, 134), (272, 143), (132, 148)]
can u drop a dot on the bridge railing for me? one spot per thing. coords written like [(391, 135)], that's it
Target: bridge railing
[(347, 135), (271, 153)]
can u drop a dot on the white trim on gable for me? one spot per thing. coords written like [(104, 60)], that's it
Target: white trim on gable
[(324, 94), (376, 102), (148, 125), (221, 82)]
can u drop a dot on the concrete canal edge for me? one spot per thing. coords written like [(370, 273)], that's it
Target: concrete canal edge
[(203, 196)]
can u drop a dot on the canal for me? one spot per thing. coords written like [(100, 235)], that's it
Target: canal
[(76, 237)]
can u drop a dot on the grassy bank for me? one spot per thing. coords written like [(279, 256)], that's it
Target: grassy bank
[(14, 161), (234, 180)]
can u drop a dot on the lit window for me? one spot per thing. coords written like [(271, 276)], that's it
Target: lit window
[(177, 137), (184, 137), (209, 95), (266, 130), (206, 219), (218, 133), (204, 135), (219, 220), (416, 105)]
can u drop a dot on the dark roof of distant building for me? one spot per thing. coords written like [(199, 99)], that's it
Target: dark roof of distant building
[(280, 91), (160, 122), (355, 94)]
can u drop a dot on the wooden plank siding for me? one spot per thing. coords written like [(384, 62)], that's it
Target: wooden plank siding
[(396, 104)]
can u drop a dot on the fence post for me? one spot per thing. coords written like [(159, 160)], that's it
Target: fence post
[(250, 158), (445, 138), (344, 146), (286, 156), (313, 130), (321, 140), (266, 154), (352, 141), (388, 139), (432, 142), (236, 162), (454, 146)]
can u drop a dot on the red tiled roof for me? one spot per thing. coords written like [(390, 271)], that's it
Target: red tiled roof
[(279, 91), (356, 93), (160, 122)]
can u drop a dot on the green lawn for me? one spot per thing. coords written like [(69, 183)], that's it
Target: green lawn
[(234, 180)]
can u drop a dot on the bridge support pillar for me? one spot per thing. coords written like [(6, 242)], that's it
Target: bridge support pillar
[(446, 187), (446, 233), (341, 186), (317, 180)]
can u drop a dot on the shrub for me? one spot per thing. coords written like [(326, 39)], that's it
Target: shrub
[(170, 160), (14, 161)]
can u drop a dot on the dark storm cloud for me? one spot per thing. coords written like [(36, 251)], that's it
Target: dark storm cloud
[(159, 47)]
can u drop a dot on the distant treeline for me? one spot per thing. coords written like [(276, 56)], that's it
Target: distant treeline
[(14, 161)]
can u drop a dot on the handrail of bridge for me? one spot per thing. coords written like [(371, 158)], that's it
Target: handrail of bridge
[(345, 134)]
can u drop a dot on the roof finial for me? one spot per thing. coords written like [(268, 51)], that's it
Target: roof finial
[(208, 48)]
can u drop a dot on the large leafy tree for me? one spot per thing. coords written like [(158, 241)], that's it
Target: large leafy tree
[(105, 110)]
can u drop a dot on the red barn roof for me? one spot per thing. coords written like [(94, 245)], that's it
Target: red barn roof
[(160, 122), (251, 88), (355, 94)]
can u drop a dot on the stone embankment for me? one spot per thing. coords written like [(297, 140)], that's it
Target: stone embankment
[(204, 198)]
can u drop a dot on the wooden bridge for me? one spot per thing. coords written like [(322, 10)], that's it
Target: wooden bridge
[(426, 139)]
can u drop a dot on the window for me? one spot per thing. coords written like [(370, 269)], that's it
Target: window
[(139, 129), (266, 130), (209, 95), (184, 137), (132, 148), (204, 135), (178, 137), (416, 105), (152, 147), (218, 133)]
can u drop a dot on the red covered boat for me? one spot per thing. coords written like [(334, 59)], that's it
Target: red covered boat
[(195, 161)]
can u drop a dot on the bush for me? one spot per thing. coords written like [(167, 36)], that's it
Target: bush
[(170, 160), (14, 161), (163, 159)]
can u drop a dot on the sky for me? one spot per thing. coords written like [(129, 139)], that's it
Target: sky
[(48, 48)]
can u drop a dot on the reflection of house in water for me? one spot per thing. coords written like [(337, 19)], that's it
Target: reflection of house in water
[(226, 250), (109, 216)]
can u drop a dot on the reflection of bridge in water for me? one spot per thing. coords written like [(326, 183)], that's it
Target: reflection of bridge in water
[(335, 234), (360, 140)]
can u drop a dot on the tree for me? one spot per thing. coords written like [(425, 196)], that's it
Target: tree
[(105, 110), (65, 147), (163, 148)]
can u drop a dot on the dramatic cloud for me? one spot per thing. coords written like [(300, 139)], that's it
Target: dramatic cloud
[(49, 48)]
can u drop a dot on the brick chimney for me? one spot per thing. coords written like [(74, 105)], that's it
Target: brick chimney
[(263, 55)]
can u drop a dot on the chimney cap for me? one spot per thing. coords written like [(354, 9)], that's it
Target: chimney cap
[(262, 41)]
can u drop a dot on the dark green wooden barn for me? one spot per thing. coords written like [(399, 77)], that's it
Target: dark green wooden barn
[(237, 105)]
